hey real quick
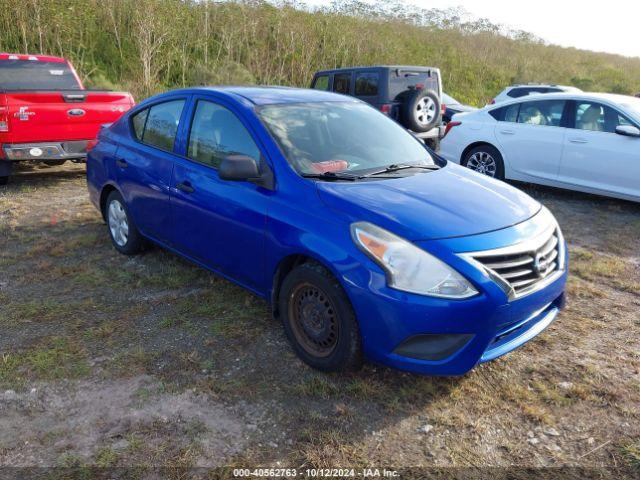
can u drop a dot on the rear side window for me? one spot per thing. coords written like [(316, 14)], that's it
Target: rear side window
[(160, 124), (543, 112), (216, 133), (367, 84), (36, 75), (506, 114), (321, 82), (342, 83)]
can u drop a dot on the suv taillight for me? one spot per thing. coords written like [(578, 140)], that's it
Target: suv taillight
[(443, 109), (385, 108), (449, 126), (4, 119)]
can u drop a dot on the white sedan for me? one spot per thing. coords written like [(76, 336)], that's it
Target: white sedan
[(580, 141)]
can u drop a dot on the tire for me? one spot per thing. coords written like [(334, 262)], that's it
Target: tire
[(123, 233), (485, 159), (327, 338), (54, 163), (421, 110), (4, 181)]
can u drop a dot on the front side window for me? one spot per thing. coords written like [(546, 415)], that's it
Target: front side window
[(341, 136), (342, 83), (597, 117), (367, 84), (321, 83), (216, 133), (542, 112), (161, 124)]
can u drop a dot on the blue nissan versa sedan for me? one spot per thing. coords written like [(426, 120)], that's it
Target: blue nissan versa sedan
[(367, 245)]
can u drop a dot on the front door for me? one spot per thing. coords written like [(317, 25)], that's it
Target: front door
[(217, 222), (598, 158)]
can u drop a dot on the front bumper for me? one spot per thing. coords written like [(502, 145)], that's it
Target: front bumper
[(404, 330), (71, 150)]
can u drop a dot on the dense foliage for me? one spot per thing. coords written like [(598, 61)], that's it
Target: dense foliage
[(150, 45)]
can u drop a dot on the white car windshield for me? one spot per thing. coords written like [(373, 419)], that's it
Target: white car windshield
[(322, 137), (633, 105)]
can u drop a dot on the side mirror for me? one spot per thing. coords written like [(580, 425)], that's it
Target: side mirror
[(628, 131), (242, 168)]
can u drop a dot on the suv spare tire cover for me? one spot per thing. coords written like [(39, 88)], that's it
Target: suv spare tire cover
[(421, 110)]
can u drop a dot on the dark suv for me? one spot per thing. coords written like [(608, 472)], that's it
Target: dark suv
[(410, 95)]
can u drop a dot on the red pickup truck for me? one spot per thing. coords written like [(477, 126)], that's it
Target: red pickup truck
[(46, 114)]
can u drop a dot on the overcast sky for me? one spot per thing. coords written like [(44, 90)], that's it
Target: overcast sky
[(605, 26)]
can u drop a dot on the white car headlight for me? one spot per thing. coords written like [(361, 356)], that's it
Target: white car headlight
[(408, 267)]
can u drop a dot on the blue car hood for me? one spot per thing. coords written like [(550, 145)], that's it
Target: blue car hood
[(450, 202)]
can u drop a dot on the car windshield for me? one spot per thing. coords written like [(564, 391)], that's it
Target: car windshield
[(322, 137), (632, 104), (449, 100)]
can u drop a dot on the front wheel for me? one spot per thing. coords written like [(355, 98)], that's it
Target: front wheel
[(319, 320), (124, 235), (485, 159)]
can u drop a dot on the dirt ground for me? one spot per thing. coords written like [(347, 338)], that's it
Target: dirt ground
[(149, 361)]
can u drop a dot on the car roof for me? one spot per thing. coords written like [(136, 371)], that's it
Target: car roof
[(552, 85), (607, 97), (419, 68), (41, 58), (270, 95)]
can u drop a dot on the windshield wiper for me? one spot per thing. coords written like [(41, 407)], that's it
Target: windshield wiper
[(394, 167), (331, 176)]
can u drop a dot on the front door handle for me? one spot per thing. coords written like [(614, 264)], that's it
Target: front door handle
[(122, 163), (578, 140), (185, 187), (508, 132)]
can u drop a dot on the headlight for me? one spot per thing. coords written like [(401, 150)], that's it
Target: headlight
[(408, 267)]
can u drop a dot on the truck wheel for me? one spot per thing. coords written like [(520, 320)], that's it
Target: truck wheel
[(54, 163), (124, 235), (319, 320), (485, 159), (421, 110)]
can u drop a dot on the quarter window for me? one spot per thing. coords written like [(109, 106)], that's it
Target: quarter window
[(321, 83), (216, 133), (341, 83), (158, 127), (138, 121), (542, 112), (367, 84)]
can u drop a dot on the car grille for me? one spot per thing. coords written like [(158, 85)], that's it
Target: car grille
[(523, 269)]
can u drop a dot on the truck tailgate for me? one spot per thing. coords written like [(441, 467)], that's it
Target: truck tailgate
[(61, 115)]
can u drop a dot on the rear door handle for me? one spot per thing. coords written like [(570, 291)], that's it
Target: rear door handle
[(185, 187), (578, 140), (122, 163), (508, 132)]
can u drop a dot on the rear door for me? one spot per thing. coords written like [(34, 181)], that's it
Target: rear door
[(144, 165), (597, 157), (530, 135), (217, 222)]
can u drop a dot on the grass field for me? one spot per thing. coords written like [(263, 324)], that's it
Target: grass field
[(107, 360)]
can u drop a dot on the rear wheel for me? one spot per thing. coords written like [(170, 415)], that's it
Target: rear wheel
[(485, 159), (319, 320), (124, 235), (54, 163)]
